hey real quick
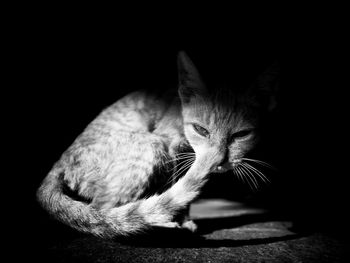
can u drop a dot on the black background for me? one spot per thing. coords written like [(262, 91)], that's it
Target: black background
[(65, 73)]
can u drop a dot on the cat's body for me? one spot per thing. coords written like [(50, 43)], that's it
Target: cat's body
[(118, 177)]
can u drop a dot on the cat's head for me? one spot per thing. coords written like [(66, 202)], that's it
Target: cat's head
[(223, 121)]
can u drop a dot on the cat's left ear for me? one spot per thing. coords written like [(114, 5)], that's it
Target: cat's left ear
[(266, 86), (190, 81)]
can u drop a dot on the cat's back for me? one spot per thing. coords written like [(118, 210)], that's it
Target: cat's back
[(131, 119), (119, 138), (137, 111)]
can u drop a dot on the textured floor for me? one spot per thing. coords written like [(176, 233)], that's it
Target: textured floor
[(230, 232)]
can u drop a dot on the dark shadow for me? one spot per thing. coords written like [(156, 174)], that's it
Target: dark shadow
[(179, 238), (208, 225), (166, 238)]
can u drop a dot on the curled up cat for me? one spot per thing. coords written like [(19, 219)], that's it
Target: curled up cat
[(145, 158)]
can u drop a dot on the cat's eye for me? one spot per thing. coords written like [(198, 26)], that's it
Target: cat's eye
[(241, 134), (200, 130)]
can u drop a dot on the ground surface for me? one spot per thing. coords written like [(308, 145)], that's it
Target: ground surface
[(230, 232)]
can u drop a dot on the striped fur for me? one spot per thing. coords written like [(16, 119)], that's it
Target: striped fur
[(114, 179)]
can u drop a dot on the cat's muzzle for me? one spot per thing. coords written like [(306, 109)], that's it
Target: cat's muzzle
[(226, 166)]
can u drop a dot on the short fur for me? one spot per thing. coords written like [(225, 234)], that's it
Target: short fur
[(117, 178)]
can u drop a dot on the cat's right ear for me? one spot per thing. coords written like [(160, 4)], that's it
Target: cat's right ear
[(190, 81), (266, 87)]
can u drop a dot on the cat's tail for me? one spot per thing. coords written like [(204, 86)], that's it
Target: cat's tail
[(131, 218)]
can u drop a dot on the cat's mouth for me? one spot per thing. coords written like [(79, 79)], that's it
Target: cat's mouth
[(226, 166)]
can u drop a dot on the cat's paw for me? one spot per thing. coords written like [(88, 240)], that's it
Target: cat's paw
[(168, 225), (190, 225)]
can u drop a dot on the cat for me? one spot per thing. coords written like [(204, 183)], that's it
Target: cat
[(145, 158)]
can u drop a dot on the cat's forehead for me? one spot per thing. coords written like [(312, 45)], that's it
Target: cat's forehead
[(226, 117), (224, 111)]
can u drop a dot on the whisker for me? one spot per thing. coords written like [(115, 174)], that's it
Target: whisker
[(180, 158), (241, 176), (251, 176), (235, 171), (255, 171), (245, 178), (180, 163), (259, 173), (186, 154), (261, 163), (183, 164), (178, 173)]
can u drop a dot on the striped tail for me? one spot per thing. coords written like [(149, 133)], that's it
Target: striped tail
[(131, 218)]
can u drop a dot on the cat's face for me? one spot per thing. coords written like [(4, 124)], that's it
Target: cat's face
[(222, 121), (221, 124)]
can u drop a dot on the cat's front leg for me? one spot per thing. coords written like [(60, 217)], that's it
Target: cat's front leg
[(187, 224), (190, 225), (184, 221), (187, 188)]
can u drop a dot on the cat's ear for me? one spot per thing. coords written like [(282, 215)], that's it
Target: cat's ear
[(266, 86), (190, 81)]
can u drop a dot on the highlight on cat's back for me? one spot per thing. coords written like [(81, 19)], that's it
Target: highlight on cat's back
[(143, 160)]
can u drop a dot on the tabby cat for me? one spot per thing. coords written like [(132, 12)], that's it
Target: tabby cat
[(145, 158)]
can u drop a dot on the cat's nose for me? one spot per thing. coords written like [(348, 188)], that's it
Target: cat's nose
[(218, 160), (225, 158), (222, 168)]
